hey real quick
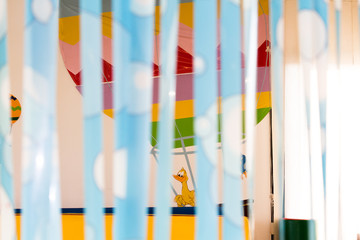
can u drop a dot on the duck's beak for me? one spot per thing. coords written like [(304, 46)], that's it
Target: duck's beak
[(180, 179)]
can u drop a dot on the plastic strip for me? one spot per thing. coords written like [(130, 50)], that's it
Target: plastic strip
[(206, 122), (169, 30), (231, 89), (40, 177), (92, 111)]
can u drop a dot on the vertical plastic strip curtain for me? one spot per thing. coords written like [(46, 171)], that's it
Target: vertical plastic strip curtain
[(334, 214), (250, 37), (121, 56), (338, 6), (306, 13), (320, 40), (321, 56), (40, 177), (313, 50), (7, 221), (139, 24), (92, 113), (333, 220), (231, 121), (277, 76), (206, 125), (169, 30)]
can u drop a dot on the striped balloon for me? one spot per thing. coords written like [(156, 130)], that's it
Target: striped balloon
[(40, 176), (15, 109)]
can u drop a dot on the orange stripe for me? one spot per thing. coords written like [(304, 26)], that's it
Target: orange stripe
[(185, 109), (69, 28), (182, 227)]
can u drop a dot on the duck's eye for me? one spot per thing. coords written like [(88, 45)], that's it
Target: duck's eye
[(179, 174)]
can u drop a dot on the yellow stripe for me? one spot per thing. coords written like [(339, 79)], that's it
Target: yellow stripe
[(106, 24), (264, 4), (109, 112), (186, 14), (185, 109), (69, 28)]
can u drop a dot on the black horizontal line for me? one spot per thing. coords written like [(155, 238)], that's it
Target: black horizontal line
[(150, 210)]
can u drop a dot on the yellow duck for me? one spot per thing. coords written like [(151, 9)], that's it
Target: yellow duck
[(187, 197)]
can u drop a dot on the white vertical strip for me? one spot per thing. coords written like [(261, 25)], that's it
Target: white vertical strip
[(250, 9), (333, 153), (297, 194), (349, 153)]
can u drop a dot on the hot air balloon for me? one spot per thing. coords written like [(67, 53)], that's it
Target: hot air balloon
[(69, 41)]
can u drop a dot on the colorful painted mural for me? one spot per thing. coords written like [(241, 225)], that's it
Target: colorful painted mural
[(69, 40), (184, 152)]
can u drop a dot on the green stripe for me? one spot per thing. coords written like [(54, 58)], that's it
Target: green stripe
[(186, 128), (16, 108)]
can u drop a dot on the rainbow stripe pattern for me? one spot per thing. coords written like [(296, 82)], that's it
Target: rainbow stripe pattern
[(69, 29)]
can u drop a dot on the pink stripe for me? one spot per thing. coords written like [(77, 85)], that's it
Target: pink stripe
[(156, 48), (108, 96), (263, 28), (184, 87), (71, 56), (186, 38), (184, 84), (107, 49)]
